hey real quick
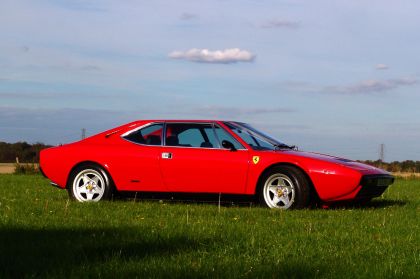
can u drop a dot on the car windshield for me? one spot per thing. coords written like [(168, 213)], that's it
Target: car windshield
[(256, 139)]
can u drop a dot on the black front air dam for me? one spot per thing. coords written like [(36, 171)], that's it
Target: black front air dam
[(374, 185)]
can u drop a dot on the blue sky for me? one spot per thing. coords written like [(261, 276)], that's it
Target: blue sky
[(338, 77)]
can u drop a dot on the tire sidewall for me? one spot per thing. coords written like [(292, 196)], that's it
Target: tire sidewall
[(300, 183), (101, 171)]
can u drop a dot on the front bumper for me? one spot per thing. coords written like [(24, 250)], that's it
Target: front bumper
[(374, 185)]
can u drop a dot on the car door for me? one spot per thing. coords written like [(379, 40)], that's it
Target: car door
[(136, 163), (192, 160)]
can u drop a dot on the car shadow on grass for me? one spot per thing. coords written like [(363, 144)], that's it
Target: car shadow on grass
[(373, 204), (246, 200), (61, 252), (225, 200), (126, 253)]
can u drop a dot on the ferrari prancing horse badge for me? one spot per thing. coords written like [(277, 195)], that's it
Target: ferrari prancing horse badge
[(256, 159)]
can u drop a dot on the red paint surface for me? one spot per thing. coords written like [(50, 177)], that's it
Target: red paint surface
[(135, 167)]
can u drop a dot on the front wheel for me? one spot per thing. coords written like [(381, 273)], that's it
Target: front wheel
[(89, 183), (284, 187)]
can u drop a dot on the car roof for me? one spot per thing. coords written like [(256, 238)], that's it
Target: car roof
[(140, 122), (184, 120)]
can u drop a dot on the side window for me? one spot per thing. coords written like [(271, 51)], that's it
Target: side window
[(190, 135), (211, 136), (223, 135), (150, 135)]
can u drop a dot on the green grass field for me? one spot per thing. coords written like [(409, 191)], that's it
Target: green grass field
[(43, 234)]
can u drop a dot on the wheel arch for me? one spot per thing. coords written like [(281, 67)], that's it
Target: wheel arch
[(314, 198), (108, 176)]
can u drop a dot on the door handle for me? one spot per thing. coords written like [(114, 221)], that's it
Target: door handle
[(166, 155)]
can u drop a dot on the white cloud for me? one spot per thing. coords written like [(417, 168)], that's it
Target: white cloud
[(361, 87), (227, 56), (89, 67), (372, 85), (276, 23), (25, 49), (188, 16), (381, 67), (225, 111)]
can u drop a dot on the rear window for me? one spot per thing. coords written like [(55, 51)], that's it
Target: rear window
[(149, 135)]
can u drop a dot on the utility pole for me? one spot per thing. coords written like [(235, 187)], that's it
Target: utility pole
[(83, 133), (382, 152)]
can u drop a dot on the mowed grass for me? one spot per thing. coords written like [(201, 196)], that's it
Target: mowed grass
[(43, 234)]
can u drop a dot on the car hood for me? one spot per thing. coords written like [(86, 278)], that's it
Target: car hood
[(332, 159)]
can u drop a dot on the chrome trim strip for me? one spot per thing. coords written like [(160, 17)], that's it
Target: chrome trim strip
[(195, 147), (54, 184), (164, 134)]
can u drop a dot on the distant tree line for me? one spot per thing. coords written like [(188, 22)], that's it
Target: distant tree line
[(27, 153), (396, 166)]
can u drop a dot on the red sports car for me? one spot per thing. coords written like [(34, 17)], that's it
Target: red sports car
[(206, 156)]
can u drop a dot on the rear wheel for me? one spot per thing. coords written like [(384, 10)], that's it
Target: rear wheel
[(89, 183), (284, 187)]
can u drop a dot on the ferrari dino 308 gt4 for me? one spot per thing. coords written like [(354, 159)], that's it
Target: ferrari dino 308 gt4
[(206, 156)]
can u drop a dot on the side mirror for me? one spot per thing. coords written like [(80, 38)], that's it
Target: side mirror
[(228, 145)]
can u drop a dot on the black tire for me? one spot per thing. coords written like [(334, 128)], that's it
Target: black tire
[(89, 183), (284, 187)]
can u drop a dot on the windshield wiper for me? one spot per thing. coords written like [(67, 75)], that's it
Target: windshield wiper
[(283, 146)]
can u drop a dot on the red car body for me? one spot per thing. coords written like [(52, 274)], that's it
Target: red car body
[(138, 167)]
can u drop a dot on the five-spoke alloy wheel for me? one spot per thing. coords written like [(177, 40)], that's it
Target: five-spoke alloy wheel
[(279, 191), (284, 187), (89, 183)]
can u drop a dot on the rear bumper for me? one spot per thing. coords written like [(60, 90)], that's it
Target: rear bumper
[(374, 185), (52, 183), (42, 172)]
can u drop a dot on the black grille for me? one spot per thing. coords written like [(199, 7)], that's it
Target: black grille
[(374, 185)]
